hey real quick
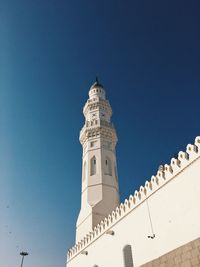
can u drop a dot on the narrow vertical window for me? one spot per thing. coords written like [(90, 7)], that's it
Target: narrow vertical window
[(128, 258), (84, 171), (108, 166), (93, 166)]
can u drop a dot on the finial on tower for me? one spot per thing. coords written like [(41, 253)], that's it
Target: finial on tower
[(97, 83)]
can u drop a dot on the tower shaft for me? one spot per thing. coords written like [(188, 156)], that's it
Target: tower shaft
[(100, 194)]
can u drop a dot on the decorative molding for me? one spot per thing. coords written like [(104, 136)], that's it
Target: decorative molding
[(162, 177), (97, 103), (102, 128)]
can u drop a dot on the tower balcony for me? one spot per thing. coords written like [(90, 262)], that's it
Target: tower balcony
[(96, 128), (95, 104), (96, 123)]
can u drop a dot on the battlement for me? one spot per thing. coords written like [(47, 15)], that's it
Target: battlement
[(164, 175)]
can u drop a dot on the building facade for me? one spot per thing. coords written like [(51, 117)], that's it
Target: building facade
[(159, 225)]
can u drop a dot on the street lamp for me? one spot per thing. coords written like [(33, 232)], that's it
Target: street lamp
[(23, 254)]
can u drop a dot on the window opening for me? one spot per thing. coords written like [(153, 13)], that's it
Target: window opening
[(128, 258), (108, 167), (84, 171), (93, 165)]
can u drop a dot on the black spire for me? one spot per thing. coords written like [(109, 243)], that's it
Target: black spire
[(97, 83)]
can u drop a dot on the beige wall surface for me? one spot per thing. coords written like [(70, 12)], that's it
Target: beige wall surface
[(184, 256)]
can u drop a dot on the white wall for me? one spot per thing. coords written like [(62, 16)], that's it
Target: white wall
[(174, 205)]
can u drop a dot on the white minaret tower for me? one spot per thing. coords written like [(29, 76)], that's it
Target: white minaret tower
[(100, 192)]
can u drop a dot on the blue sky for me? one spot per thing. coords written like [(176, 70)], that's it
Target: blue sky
[(147, 56)]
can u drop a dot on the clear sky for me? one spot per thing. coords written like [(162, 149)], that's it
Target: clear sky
[(147, 55)]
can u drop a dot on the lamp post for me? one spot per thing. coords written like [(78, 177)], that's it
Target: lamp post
[(23, 254)]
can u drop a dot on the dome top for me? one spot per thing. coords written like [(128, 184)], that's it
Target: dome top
[(97, 90)]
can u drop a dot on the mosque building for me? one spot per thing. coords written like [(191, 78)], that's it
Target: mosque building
[(158, 225)]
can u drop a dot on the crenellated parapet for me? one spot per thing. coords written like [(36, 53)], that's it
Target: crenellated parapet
[(164, 174)]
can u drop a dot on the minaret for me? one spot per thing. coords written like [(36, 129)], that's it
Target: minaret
[(100, 193)]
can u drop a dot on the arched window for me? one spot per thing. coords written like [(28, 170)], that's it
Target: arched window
[(84, 171), (108, 166), (93, 165), (128, 258)]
